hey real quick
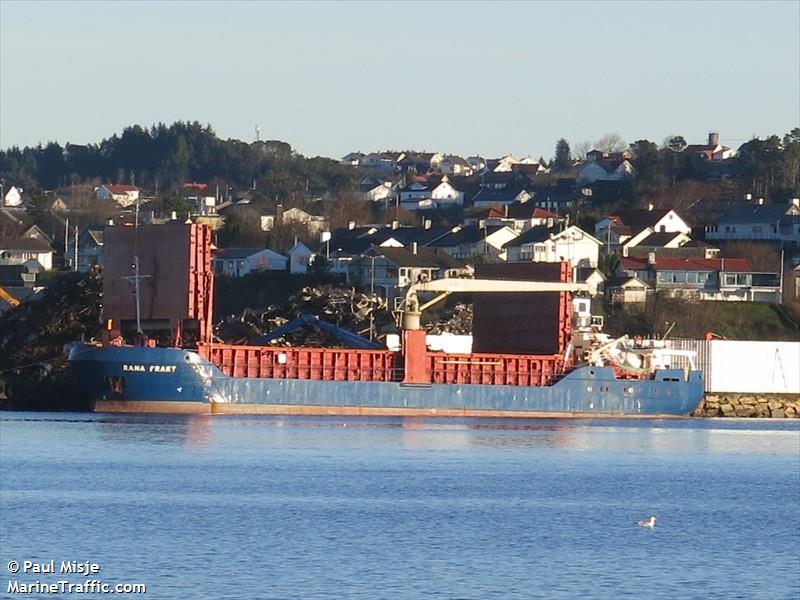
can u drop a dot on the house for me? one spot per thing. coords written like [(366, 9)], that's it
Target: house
[(508, 163), (477, 163), (675, 245), (352, 159), (557, 198), (375, 189), (238, 262), (25, 250), (420, 163), (90, 249), (543, 244), (454, 165), (614, 230), (592, 277), (315, 224), (605, 169), (499, 196), (300, 257), (202, 198), (759, 222), (626, 290), (124, 195), (384, 162), (520, 216), (730, 279), (430, 192), (712, 150), (472, 242), (389, 271), (13, 197)]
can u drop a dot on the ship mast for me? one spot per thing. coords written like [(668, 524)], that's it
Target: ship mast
[(136, 278)]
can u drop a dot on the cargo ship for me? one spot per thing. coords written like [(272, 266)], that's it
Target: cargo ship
[(161, 277)]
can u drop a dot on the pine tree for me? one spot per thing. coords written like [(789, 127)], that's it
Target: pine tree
[(563, 157)]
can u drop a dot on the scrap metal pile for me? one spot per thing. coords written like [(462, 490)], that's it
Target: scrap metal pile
[(35, 332), (456, 322), (345, 308)]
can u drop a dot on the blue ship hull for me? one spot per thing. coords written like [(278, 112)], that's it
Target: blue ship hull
[(135, 379)]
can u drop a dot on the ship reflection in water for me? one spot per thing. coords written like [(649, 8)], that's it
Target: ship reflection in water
[(426, 433)]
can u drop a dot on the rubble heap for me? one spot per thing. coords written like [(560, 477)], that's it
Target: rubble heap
[(344, 308), (68, 310), (457, 322)]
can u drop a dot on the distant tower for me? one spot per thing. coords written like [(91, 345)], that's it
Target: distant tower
[(258, 133), (713, 138)]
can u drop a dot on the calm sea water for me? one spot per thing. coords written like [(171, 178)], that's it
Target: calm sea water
[(252, 507)]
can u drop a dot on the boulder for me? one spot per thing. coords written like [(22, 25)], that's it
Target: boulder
[(727, 410), (746, 411), (778, 413)]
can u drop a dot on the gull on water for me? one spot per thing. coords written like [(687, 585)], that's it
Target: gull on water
[(649, 522)]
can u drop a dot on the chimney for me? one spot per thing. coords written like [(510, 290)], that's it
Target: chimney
[(413, 247), (796, 202), (173, 216), (428, 223), (110, 222), (748, 197), (713, 138), (651, 258), (650, 206), (395, 224), (761, 202), (351, 225)]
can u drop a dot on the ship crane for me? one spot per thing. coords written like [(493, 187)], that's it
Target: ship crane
[(412, 309)]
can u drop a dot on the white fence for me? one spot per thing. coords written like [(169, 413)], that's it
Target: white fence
[(746, 367)]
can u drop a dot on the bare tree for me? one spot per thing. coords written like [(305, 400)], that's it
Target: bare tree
[(611, 142), (580, 150)]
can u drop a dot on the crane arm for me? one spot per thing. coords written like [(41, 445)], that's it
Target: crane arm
[(412, 307), (4, 295)]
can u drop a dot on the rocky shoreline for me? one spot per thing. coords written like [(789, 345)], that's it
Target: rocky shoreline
[(775, 406)]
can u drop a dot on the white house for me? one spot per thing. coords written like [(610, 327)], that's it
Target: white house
[(124, 195), (13, 196), (25, 250), (238, 262), (300, 257), (471, 241), (605, 170), (540, 244), (375, 189), (624, 225), (430, 192)]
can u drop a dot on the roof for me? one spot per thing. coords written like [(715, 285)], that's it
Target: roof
[(120, 189), (754, 213), (468, 234), (608, 164), (517, 210), (741, 265), (659, 239), (534, 235), (23, 243), (425, 257), (622, 281), (240, 253), (639, 218), (505, 195)]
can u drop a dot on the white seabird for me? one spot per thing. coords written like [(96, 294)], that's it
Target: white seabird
[(649, 522)]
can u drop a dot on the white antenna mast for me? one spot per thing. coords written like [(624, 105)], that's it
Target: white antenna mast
[(258, 133)]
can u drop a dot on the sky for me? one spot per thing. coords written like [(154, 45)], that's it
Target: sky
[(456, 77)]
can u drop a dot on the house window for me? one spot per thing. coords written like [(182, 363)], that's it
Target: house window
[(736, 279)]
